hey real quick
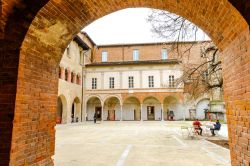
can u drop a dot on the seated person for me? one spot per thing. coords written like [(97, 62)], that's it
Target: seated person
[(217, 126), (197, 126)]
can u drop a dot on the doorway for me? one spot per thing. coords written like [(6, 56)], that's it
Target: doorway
[(151, 112), (111, 115), (98, 111)]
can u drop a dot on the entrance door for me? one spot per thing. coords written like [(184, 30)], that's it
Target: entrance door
[(73, 113), (111, 115), (151, 112), (98, 111)]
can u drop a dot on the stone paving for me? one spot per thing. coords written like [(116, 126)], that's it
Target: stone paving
[(134, 144)]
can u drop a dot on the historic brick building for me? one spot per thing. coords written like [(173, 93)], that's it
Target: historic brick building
[(34, 35), (129, 82)]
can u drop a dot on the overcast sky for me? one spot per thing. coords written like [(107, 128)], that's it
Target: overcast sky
[(124, 26)]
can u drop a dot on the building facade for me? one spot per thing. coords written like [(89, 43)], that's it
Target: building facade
[(131, 82)]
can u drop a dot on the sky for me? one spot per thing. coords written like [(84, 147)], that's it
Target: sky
[(125, 26)]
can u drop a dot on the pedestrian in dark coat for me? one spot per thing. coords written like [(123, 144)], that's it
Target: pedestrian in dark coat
[(95, 117)]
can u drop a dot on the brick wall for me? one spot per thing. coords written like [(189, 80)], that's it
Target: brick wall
[(236, 74), (28, 78), (151, 52)]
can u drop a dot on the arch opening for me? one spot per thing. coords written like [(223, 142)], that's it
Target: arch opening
[(151, 109), (76, 110), (131, 109), (112, 109), (172, 108), (93, 105)]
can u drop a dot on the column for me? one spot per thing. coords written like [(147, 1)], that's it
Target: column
[(74, 78), (141, 112), (79, 78), (162, 113), (121, 113), (84, 118), (69, 75), (62, 73)]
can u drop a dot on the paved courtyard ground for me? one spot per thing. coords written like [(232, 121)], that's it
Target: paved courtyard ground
[(134, 144)]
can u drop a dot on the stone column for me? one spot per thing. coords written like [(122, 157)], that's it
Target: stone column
[(79, 79), (85, 111), (141, 112), (74, 78), (121, 113), (62, 73), (162, 113), (69, 75)]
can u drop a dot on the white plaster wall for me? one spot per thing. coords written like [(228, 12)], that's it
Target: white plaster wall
[(155, 73), (72, 60), (107, 75), (91, 110), (89, 77), (135, 74), (165, 76), (128, 111), (126, 71), (203, 104)]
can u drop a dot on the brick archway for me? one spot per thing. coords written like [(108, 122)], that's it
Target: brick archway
[(33, 35)]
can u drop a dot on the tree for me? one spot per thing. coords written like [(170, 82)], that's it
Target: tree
[(197, 78)]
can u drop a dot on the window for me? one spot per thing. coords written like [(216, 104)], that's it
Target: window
[(111, 82), (150, 81), (171, 81), (94, 83), (130, 82), (164, 54), (136, 55), (104, 56)]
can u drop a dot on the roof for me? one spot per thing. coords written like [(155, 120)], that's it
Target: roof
[(90, 39), (149, 62), (81, 43), (152, 43)]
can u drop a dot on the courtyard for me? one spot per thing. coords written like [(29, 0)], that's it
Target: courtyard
[(125, 143)]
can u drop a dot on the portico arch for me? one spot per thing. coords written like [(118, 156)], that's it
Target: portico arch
[(93, 104), (34, 35), (76, 110), (112, 108), (131, 109), (61, 109), (172, 109), (151, 109)]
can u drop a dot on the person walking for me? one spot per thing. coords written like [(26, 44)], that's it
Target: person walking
[(95, 117)]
